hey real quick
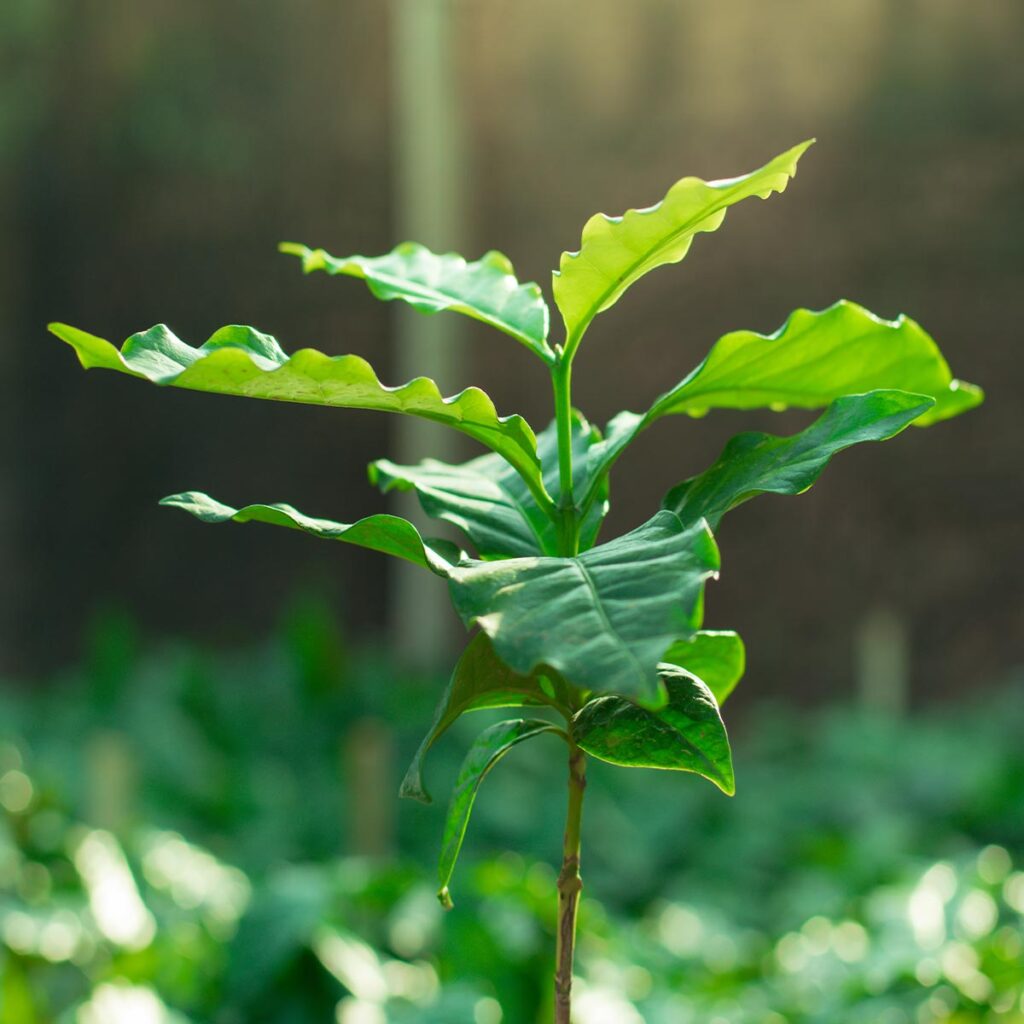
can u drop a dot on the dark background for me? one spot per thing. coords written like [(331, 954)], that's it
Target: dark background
[(153, 152)]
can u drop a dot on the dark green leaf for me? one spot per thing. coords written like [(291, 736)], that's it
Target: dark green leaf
[(389, 534), (809, 362), (615, 252), (716, 657), (489, 748), (489, 501), (482, 680), (757, 463), (486, 289), (603, 619), (241, 361), (686, 734)]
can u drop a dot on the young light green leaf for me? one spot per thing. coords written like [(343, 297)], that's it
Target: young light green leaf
[(482, 680), (603, 619), (388, 534), (716, 657), (490, 502), (486, 289), (756, 463), (813, 359), (816, 357), (489, 748), (685, 734), (242, 361), (615, 252)]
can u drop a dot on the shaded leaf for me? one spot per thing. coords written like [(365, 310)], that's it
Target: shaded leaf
[(685, 734), (809, 362), (716, 657), (241, 361), (488, 748), (482, 680), (756, 463), (602, 619), (489, 501), (615, 252), (486, 289), (389, 534)]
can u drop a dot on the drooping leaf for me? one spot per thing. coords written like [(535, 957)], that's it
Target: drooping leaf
[(716, 657), (809, 362), (602, 619), (756, 463), (615, 252), (242, 361), (486, 289), (686, 733), (389, 534), (482, 680), (490, 502), (488, 748)]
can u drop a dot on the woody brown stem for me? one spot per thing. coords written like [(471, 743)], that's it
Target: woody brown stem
[(570, 885)]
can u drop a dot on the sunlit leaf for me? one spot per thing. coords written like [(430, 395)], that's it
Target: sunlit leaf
[(488, 748), (809, 362), (603, 619), (615, 252), (686, 733), (482, 680), (486, 289), (488, 500), (716, 657), (756, 463), (388, 534), (242, 361)]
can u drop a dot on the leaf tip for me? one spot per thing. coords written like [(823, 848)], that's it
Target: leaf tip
[(445, 899), (413, 789)]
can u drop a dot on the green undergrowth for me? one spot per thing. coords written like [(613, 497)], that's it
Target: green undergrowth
[(147, 873)]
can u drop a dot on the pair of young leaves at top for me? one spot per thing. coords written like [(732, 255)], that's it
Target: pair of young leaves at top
[(608, 635)]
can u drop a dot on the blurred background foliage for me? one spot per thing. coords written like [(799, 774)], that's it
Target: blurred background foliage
[(172, 822), (206, 831)]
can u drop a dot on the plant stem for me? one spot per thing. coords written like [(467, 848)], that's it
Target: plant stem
[(561, 380), (570, 885)]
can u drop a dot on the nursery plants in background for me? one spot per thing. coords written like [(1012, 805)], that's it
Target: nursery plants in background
[(603, 642)]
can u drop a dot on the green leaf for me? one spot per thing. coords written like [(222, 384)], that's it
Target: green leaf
[(490, 502), (489, 748), (482, 680), (486, 289), (602, 619), (617, 251), (716, 657), (685, 734), (242, 361), (756, 463), (389, 534), (809, 362), (816, 357)]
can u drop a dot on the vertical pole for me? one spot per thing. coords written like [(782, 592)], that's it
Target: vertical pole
[(883, 661), (428, 174), (368, 759), (9, 426)]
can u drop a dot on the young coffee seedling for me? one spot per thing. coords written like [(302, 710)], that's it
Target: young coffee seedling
[(607, 636)]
